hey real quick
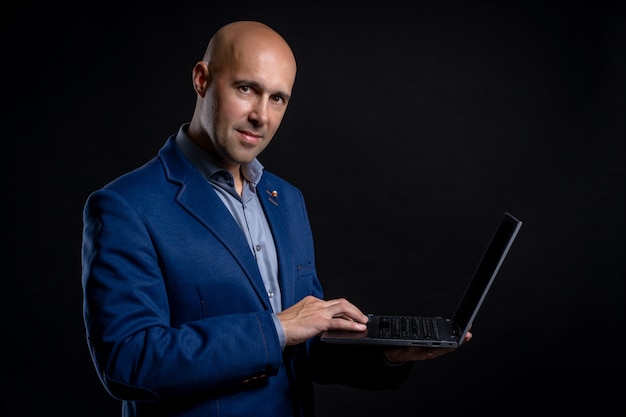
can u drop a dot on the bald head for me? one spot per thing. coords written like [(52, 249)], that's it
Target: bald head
[(244, 39)]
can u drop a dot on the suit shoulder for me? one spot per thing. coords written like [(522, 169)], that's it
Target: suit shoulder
[(138, 177)]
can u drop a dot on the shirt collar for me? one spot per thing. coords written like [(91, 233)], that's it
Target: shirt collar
[(208, 165)]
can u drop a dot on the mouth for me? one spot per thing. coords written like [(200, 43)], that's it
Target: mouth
[(250, 138)]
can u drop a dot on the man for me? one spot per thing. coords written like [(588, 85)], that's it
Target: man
[(201, 296)]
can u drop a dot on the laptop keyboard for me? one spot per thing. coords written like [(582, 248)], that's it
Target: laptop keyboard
[(402, 327)]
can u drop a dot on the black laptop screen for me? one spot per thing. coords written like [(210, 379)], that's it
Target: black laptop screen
[(486, 271)]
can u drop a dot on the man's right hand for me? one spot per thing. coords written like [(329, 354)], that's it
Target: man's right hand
[(311, 316)]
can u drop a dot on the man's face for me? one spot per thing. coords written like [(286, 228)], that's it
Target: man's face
[(246, 101)]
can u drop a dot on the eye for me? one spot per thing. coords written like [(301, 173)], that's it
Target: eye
[(278, 99), (244, 88)]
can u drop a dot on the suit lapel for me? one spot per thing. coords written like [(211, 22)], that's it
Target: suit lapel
[(199, 199)]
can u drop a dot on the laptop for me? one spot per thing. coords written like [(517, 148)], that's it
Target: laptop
[(438, 331)]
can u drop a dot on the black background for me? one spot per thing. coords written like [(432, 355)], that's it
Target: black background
[(411, 130)]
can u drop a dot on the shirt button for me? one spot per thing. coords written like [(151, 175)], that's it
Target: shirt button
[(270, 294), (258, 248)]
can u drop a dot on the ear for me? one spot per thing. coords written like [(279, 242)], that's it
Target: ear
[(200, 78)]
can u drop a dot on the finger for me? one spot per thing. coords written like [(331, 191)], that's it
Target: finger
[(342, 308), (344, 317), (342, 323)]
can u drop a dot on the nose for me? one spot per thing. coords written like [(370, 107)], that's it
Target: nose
[(259, 114)]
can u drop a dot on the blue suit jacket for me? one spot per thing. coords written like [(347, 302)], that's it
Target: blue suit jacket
[(177, 317)]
